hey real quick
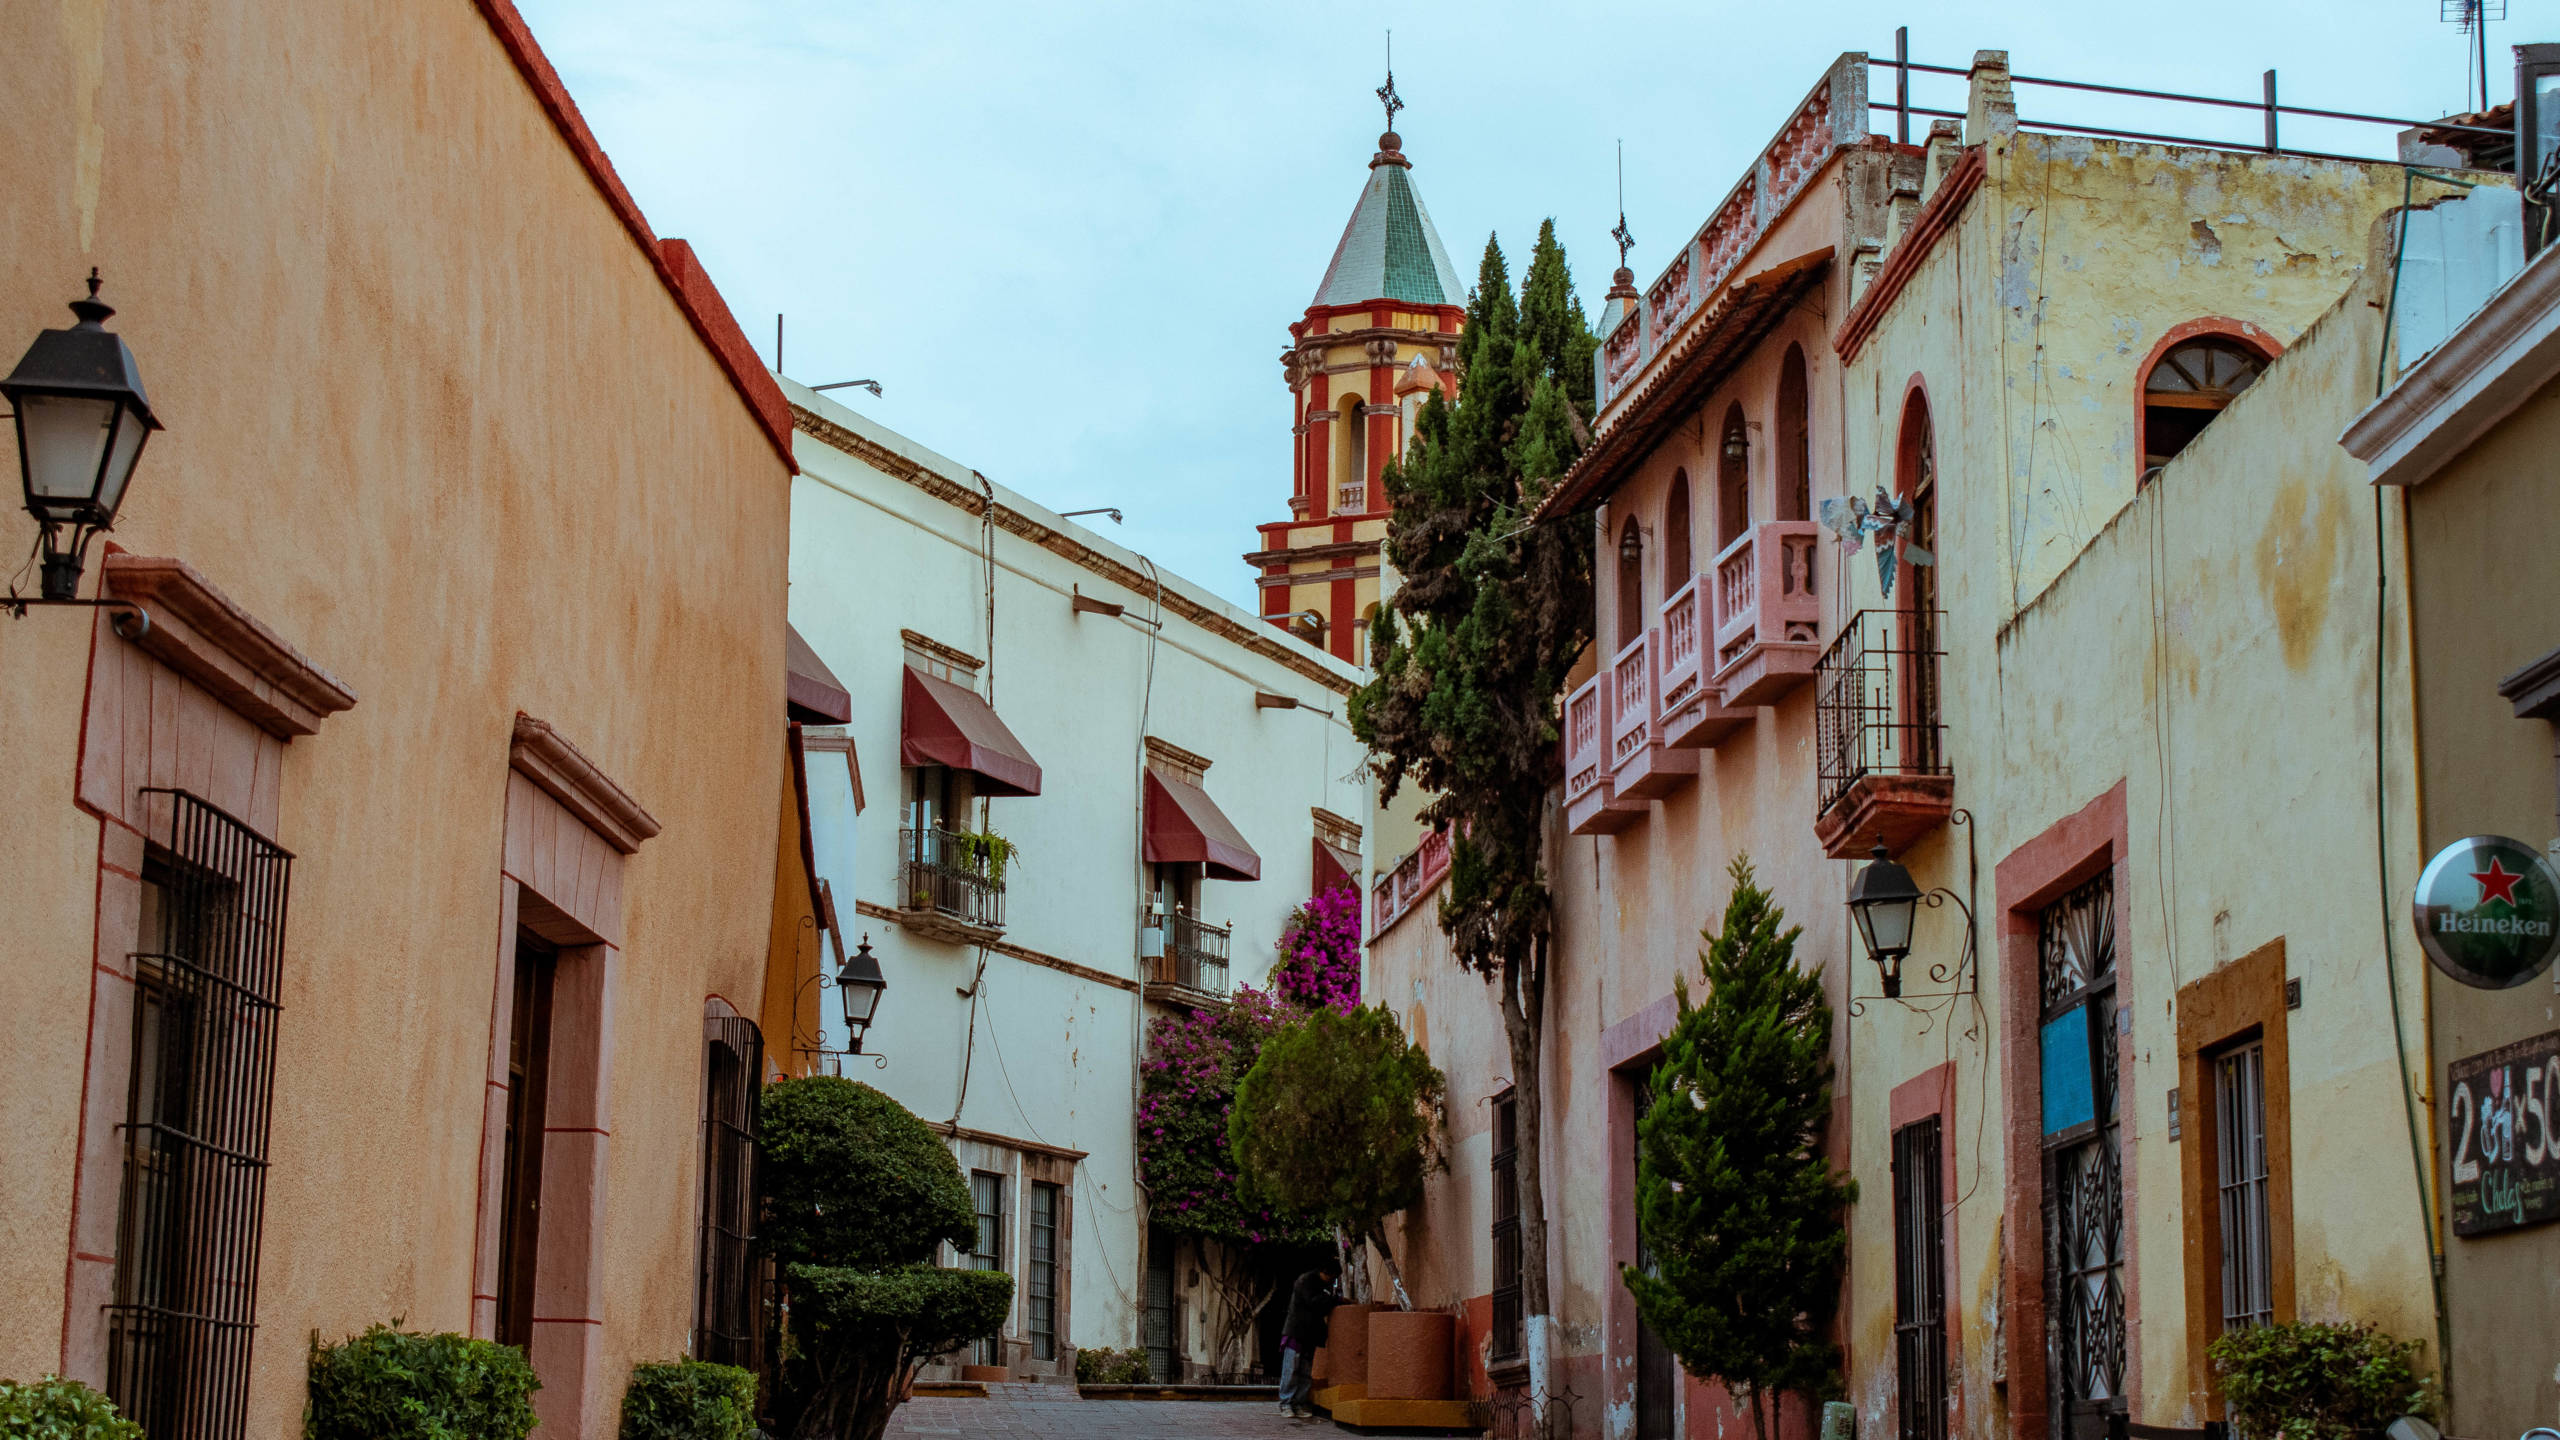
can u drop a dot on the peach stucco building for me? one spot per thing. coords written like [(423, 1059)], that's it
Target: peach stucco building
[(414, 850), (2079, 685)]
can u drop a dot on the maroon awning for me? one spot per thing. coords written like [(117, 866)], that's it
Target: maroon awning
[(813, 693), (948, 724), (1185, 826), (1334, 867)]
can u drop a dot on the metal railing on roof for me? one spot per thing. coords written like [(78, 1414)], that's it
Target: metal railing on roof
[(2266, 106)]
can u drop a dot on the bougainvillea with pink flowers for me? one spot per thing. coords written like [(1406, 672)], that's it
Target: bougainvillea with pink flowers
[(1320, 953), (1186, 1091)]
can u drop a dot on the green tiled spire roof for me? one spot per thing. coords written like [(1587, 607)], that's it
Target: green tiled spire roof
[(1390, 251)]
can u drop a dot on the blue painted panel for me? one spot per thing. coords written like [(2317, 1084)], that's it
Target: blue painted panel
[(2069, 1098)]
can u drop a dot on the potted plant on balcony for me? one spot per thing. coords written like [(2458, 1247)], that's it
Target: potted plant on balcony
[(985, 853)]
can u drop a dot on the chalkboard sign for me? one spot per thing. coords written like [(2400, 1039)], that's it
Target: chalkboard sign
[(2502, 1113)]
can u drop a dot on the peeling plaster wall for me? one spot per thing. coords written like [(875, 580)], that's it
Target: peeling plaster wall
[(2209, 644)]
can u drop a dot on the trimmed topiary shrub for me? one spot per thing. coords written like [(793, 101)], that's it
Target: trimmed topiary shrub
[(689, 1400), (859, 1193), (2309, 1381), (57, 1409), (1101, 1365), (392, 1384)]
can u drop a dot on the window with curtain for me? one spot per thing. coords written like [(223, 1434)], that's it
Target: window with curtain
[(1676, 564)]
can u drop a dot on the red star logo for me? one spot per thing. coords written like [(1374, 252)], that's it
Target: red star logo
[(2496, 883)]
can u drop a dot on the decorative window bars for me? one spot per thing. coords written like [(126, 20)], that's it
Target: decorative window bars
[(1041, 1285), (2240, 1134), (729, 1290), (1506, 1226), (1919, 1280), (2083, 1177), (196, 1123), (986, 1197), (1876, 701)]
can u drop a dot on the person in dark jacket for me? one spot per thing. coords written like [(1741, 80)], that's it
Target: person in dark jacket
[(1311, 1303)]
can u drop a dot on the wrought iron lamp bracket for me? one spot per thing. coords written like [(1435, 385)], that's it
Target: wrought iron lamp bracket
[(825, 982), (132, 622), (1963, 978)]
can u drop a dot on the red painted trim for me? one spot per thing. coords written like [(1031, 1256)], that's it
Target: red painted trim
[(674, 261), (564, 1320), (1344, 600), (93, 1259), (575, 1130), (1638, 1036), (1933, 221), (2030, 877), (88, 1059), (2247, 333), (1930, 1093)]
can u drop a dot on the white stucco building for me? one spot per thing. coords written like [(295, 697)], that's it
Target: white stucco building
[(1157, 759)]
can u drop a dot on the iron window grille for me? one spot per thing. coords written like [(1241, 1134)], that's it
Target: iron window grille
[(2240, 1126), (729, 1286), (1506, 1226), (1919, 1280), (1876, 701), (1195, 955), (935, 874), (1042, 1287), (2084, 1217), (986, 1196), (197, 1109)]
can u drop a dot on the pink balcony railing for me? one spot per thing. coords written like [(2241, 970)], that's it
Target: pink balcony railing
[(1768, 616), (1400, 889), (1631, 714), (1585, 767), (1692, 709)]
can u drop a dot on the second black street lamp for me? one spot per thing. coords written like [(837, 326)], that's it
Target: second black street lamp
[(1884, 901)]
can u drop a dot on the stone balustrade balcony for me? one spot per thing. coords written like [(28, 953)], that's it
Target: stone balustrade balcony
[(1768, 633)]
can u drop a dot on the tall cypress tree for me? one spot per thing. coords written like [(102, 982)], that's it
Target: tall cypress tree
[(1740, 1209), (1471, 654)]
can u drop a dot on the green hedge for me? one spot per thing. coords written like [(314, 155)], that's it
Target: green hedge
[(2308, 1381), (389, 1384), (57, 1409), (689, 1400), (1101, 1365)]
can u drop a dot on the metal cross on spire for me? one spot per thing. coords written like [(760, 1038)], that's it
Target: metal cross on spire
[(1626, 238), (1387, 93)]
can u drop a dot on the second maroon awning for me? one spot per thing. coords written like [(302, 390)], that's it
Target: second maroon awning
[(1334, 868), (814, 695), (948, 724), (1185, 826)]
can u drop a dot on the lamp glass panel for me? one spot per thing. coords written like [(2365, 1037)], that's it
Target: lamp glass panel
[(61, 439), (122, 451), (861, 998), (1887, 924)]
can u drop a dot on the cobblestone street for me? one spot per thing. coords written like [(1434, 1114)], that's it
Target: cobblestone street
[(1072, 1418)]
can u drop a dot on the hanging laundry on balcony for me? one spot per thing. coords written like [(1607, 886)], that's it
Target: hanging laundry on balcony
[(1185, 826), (1889, 520), (950, 724)]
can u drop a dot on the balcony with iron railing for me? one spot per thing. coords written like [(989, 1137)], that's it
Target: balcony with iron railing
[(1880, 746), (949, 888), (1194, 958)]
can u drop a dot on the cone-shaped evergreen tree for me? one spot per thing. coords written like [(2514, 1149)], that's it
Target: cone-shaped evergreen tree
[(1471, 654), (1740, 1209)]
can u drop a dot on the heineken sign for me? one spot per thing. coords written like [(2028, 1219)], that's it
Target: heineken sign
[(2488, 911)]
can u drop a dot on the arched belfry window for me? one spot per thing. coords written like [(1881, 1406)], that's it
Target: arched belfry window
[(2190, 384), (1675, 536), (1630, 582), (1795, 439), (1733, 478), (1352, 485)]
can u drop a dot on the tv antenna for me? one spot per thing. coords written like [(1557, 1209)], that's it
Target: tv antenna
[(2474, 17)]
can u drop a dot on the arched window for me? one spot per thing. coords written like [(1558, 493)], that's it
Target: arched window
[(2190, 384), (1630, 582), (1916, 477), (1795, 439), (1360, 640), (1675, 536), (1351, 492), (1733, 479)]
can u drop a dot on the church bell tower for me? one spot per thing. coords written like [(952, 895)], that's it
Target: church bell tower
[(1381, 333)]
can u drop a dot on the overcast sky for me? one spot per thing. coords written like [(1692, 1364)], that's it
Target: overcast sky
[(1069, 238)]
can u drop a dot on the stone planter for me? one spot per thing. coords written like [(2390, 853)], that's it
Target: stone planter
[(1346, 1340), (1409, 1354), (992, 1374)]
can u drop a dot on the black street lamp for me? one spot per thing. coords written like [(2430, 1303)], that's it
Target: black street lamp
[(861, 984), (1884, 901), (82, 422)]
